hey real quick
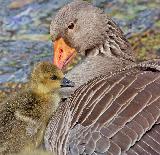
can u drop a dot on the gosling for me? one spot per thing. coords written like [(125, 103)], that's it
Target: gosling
[(24, 116)]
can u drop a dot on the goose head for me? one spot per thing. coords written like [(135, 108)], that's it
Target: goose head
[(82, 28)]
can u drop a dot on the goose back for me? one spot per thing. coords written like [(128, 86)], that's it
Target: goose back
[(110, 115)]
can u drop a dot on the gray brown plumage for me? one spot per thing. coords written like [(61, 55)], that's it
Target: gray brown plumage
[(24, 116), (115, 113), (110, 115)]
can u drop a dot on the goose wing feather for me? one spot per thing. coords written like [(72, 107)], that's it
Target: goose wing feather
[(116, 114)]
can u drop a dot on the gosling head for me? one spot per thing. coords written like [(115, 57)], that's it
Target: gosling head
[(46, 78), (81, 27)]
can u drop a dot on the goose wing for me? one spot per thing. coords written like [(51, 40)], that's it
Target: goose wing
[(111, 115)]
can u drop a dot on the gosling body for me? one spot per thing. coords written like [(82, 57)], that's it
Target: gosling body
[(24, 116)]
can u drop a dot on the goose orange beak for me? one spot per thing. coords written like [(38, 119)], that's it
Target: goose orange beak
[(63, 54)]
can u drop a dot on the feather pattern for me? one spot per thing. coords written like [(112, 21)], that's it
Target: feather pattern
[(110, 115)]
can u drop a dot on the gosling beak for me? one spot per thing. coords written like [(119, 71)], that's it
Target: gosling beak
[(63, 53), (67, 83)]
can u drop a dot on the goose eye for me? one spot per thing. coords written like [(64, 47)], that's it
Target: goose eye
[(54, 77), (71, 26)]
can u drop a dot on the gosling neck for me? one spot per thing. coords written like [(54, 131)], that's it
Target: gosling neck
[(41, 89)]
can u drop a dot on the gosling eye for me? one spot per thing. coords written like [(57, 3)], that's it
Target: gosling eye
[(54, 77), (71, 26)]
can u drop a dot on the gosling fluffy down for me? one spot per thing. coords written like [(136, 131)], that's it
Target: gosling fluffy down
[(24, 116)]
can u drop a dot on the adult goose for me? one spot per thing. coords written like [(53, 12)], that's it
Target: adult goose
[(101, 44), (110, 115), (115, 113)]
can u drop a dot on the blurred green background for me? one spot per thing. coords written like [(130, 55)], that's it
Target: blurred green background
[(24, 33)]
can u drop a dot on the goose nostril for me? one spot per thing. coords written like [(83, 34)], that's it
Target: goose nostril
[(60, 54), (61, 51)]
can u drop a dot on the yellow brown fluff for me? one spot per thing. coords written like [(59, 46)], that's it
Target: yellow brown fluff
[(24, 116)]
